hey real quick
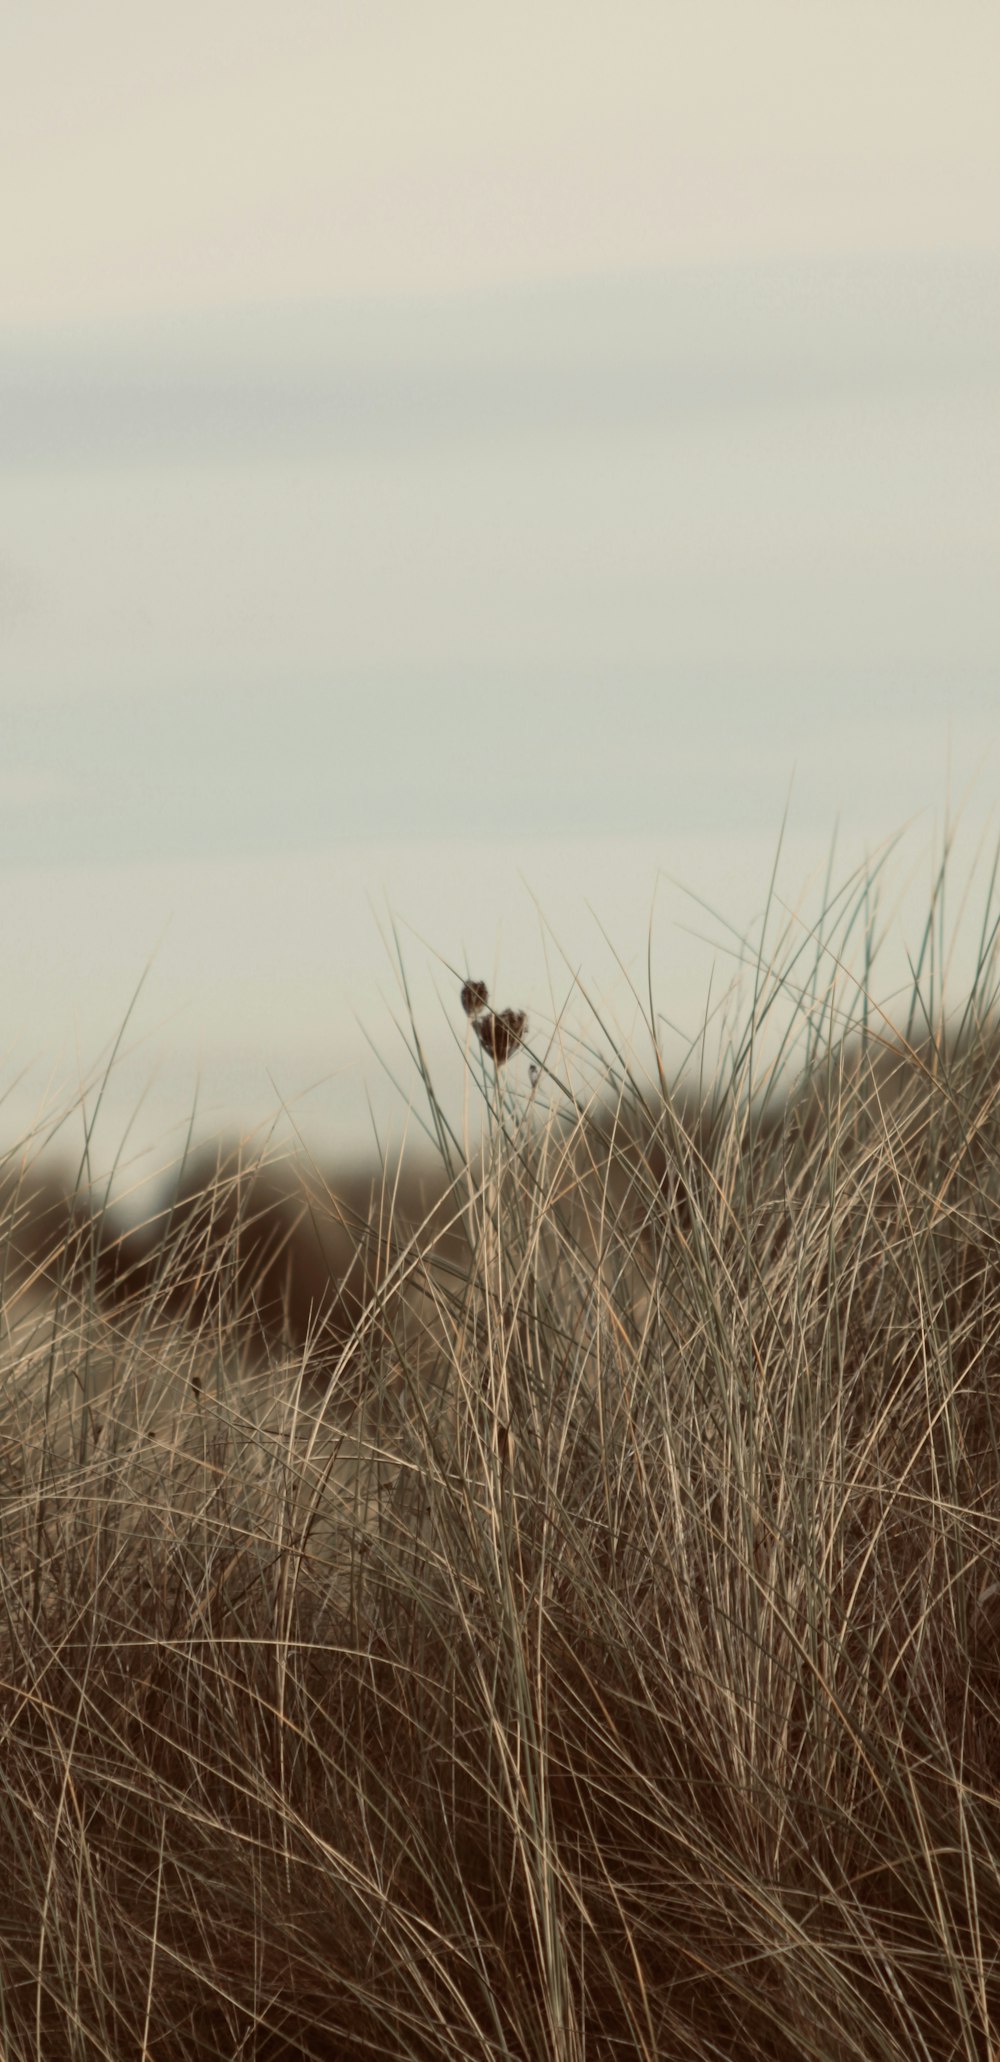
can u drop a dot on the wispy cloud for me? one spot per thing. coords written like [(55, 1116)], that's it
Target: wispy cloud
[(389, 376)]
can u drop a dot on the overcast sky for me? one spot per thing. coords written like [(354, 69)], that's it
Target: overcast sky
[(208, 155), (450, 456)]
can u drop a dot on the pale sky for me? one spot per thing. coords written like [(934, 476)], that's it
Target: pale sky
[(464, 461), (211, 155)]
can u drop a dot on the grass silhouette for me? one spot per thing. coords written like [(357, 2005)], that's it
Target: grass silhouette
[(552, 1613)]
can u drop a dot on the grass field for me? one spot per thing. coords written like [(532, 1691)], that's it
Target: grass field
[(585, 1643)]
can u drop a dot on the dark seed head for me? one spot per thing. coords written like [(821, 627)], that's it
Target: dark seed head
[(501, 1034), (475, 996)]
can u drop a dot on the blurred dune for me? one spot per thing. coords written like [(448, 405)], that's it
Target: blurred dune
[(287, 1256), (297, 1260)]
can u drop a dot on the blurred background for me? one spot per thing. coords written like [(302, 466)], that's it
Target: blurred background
[(472, 485)]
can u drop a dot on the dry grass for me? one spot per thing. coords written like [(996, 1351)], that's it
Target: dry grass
[(593, 1655)]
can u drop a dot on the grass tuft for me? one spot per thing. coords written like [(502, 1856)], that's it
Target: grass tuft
[(568, 1628)]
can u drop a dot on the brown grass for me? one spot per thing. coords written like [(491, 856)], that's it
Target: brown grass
[(581, 1644)]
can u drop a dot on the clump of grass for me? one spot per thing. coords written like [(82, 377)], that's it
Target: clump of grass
[(594, 1655)]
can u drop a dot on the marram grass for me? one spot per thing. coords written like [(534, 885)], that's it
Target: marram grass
[(592, 1650)]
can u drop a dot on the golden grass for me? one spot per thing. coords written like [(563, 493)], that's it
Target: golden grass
[(591, 1653)]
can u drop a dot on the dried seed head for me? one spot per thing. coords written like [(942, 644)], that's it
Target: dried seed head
[(501, 1034), (475, 996)]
